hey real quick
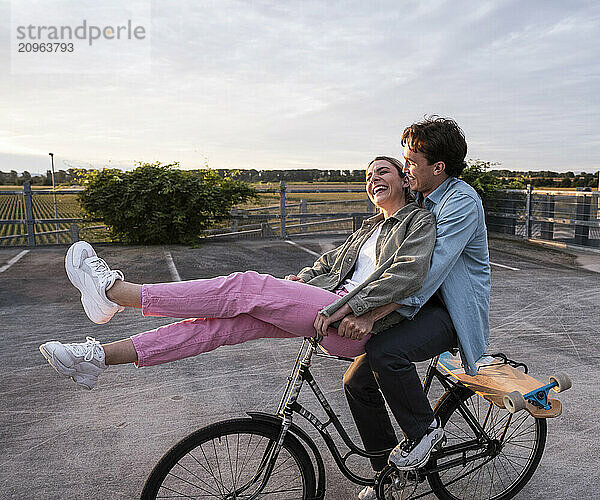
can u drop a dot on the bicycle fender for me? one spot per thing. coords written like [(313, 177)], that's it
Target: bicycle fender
[(303, 436), (459, 392)]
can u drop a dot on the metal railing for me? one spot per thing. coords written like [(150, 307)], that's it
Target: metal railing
[(561, 217), (24, 205), (276, 220), (305, 216)]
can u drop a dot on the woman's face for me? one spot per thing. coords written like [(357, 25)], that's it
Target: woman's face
[(385, 187)]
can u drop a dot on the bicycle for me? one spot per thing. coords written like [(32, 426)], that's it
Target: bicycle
[(488, 452)]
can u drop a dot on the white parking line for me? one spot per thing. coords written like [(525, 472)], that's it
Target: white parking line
[(503, 266), (303, 248), (171, 266), (14, 260)]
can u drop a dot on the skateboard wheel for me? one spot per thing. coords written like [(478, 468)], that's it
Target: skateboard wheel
[(514, 402), (563, 382)]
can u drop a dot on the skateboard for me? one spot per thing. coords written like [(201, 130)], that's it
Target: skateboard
[(500, 382)]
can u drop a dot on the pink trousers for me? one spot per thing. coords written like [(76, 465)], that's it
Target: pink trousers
[(232, 309)]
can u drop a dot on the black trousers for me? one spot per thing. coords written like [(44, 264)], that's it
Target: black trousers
[(388, 367)]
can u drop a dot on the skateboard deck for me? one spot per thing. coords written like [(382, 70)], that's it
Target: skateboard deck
[(496, 379)]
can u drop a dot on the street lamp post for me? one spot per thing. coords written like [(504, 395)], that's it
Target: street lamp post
[(54, 193)]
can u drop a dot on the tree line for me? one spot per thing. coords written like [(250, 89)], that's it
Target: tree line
[(75, 176), (547, 178), (61, 177), (506, 178)]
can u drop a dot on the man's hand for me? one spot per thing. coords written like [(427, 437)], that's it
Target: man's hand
[(356, 327), (293, 277), (322, 322)]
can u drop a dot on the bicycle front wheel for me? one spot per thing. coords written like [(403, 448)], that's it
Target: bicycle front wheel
[(503, 466), (228, 460)]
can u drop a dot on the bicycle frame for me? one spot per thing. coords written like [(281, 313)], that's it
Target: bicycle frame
[(289, 405)]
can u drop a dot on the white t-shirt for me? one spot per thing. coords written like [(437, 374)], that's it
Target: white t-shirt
[(365, 263)]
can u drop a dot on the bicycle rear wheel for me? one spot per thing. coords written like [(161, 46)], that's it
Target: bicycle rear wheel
[(227, 460), (516, 451)]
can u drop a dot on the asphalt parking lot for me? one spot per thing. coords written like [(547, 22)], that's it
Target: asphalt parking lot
[(60, 441)]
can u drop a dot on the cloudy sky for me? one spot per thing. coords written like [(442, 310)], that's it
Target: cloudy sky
[(310, 84)]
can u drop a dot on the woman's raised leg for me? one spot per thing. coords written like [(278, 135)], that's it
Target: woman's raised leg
[(125, 294), (241, 307), (191, 337), (92, 277), (289, 305), (120, 352), (84, 362)]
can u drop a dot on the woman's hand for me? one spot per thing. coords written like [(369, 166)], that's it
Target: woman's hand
[(322, 322), (293, 277), (356, 327)]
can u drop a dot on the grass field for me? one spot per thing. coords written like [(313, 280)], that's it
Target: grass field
[(268, 199)]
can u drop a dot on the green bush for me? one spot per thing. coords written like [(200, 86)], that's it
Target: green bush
[(484, 182), (156, 204), (477, 174)]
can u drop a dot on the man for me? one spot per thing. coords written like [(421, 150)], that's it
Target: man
[(451, 309)]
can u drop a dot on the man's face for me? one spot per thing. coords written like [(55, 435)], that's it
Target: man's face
[(420, 174)]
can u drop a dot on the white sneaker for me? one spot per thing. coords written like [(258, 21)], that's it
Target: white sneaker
[(85, 380), (367, 493), (81, 362), (414, 454), (92, 277)]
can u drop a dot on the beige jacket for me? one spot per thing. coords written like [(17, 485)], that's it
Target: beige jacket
[(403, 254)]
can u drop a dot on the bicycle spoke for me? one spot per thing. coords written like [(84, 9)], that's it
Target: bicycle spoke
[(491, 480), (217, 460), (251, 454), (280, 464), (179, 494), (237, 452), (210, 471), (285, 490), (188, 482), (513, 452), (232, 464)]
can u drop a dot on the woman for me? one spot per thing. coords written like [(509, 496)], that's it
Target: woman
[(356, 284)]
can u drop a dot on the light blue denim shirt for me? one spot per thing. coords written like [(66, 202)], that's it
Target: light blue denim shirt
[(460, 268)]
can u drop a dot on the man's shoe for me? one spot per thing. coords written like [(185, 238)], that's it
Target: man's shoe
[(411, 454), (80, 362), (367, 493), (92, 277)]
